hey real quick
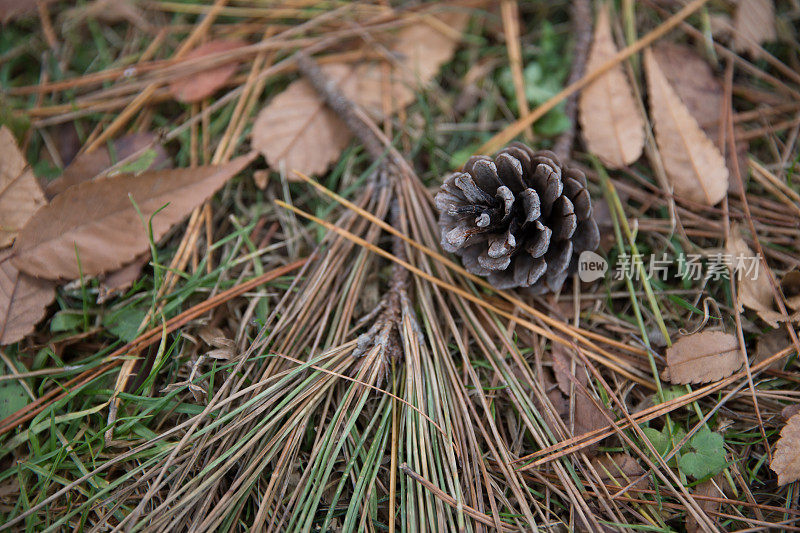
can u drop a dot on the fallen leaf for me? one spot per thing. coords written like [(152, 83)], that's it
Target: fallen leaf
[(693, 164), (588, 415), (790, 286), (298, 131), (610, 119), (87, 166), (20, 194), (23, 300), (693, 80), (97, 220), (769, 344), (753, 289), (701, 91), (786, 457), (702, 357), (790, 410), (119, 280), (420, 50), (710, 507), (203, 84), (753, 24), (620, 469)]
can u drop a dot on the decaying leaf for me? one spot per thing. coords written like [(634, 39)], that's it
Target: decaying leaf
[(702, 357), (711, 489), (693, 79), (197, 86), (770, 343), (753, 24), (87, 166), (694, 166), (753, 288), (298, 131), (786, 457), (609, 117), (20, 194), (97, 220), (23, 300), (620, 469), (588, 415)]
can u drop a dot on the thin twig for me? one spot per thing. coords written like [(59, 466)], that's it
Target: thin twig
[(581, 15)]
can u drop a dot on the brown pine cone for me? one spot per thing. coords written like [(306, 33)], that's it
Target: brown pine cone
[(521, 219)]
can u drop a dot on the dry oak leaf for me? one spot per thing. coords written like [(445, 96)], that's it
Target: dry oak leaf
[(88, 165), (753, 24), (753, 288), (786, 458), (20, 194), (694, 166), (610, 120), (23, 300), (298, 131), (702, 357), (199, 85), (97, 220)]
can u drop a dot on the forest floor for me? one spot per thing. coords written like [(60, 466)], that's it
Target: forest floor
[(224, 303)]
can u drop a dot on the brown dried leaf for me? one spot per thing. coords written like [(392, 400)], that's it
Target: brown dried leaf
[(693, 164), (420, 50), (588, 415), (754, 292), (702, 357), (769, 344), (610, 119), (790, 410), (97, 219), (119, 280), (296, 128), (87, 166), (753, 24), (693, 79), (23, 300), (20, 194), (710, 507), (786, 458), (199, 85), (620, 469), (694, 82)]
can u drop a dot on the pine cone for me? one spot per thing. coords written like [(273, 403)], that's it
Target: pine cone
[(521, 219)]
